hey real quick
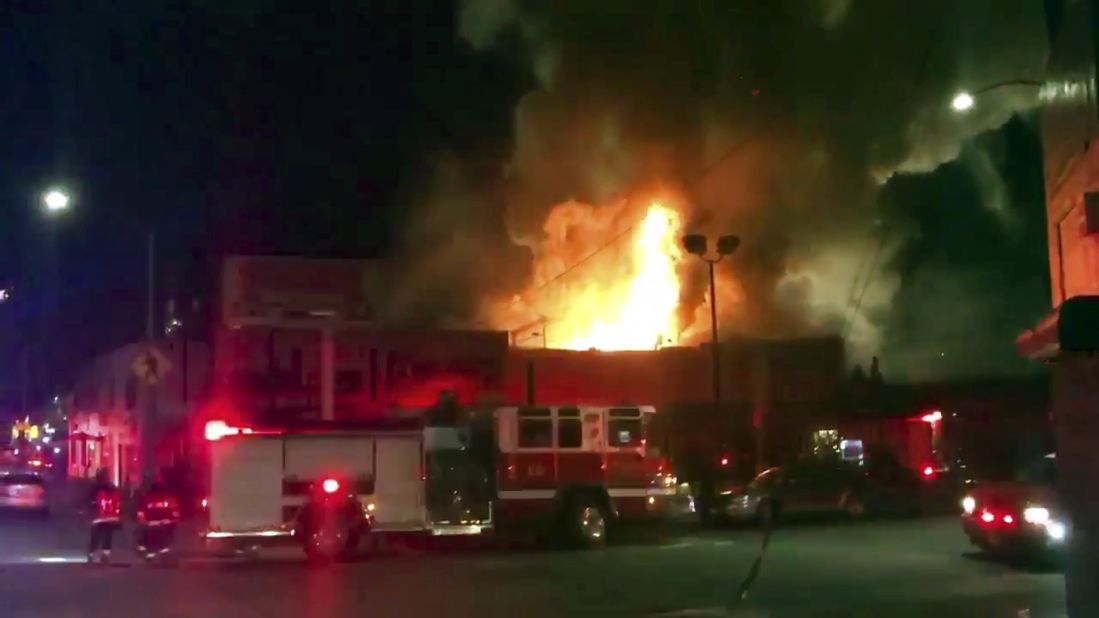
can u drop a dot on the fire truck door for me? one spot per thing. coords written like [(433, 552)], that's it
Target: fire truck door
[(246, 484), (399, 483), (626, 470)]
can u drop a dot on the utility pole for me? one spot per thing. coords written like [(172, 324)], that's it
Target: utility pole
[(148, 432), (715, 349)]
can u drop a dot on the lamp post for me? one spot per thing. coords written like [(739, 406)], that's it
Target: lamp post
[(696, 244), (965, 101), (57, 200)]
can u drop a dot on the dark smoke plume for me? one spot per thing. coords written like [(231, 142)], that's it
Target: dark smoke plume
[(780, 120)]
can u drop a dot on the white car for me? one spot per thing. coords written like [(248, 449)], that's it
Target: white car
[(23, 491)]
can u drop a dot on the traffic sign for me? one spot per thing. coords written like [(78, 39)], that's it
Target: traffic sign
[(151, 366)]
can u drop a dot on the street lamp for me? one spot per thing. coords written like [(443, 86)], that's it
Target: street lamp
[(966, 100), (696, 244), (55, 200)]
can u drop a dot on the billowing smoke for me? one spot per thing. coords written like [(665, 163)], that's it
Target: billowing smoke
[(777, 120)]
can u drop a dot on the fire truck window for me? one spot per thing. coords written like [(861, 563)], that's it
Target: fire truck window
[(535, 432), (624, 432), (625, 412), (569, 433)]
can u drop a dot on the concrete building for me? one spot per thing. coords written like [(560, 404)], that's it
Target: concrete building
[(109, 400), (1070, 128)]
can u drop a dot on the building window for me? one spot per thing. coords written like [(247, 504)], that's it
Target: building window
[(535, 428), (349, 381), (373, 374)]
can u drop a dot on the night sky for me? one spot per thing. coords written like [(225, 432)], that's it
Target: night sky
[(265, 127)]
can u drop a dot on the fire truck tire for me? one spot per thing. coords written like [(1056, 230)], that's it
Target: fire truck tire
[(587, 522), (335, 542)]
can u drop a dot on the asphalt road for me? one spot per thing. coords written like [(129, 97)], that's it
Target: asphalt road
[(887, 568)]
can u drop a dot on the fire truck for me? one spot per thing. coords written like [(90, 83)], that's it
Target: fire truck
[(571, 471)]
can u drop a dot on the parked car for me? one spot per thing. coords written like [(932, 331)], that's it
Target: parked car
[(1023, 517), (23, 491), (826, 486)]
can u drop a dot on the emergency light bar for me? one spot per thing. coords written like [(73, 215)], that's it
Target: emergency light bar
[(216, 430)]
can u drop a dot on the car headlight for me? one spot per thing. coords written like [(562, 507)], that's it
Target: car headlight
[(1037, 515), (1056, 530), (969, 504)]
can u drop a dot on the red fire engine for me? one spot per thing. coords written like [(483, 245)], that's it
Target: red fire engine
[(576, 470)]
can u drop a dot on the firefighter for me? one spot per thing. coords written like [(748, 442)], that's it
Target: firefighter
[(106, 508), (157, 516)]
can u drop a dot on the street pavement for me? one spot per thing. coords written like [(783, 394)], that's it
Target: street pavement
[(919, 567)]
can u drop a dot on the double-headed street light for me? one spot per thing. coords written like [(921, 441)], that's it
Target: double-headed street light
[(966, 100), (696, 244)]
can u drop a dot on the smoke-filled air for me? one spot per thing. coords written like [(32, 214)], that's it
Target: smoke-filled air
[(780, 121)]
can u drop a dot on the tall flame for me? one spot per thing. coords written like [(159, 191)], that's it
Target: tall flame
[(630, 304)]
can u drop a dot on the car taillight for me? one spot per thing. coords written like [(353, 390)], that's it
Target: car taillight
[(928, 472), (987, 517), (330, 486)]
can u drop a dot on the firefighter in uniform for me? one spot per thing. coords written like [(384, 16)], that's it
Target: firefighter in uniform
[(157, 516), (106, 509)]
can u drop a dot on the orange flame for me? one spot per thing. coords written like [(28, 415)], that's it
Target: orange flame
[(626, 300)]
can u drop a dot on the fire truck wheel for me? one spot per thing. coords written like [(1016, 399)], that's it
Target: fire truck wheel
[(588, 522), (328, 542)]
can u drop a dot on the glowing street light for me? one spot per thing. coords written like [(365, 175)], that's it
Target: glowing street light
[(55, 200), (963, 102)]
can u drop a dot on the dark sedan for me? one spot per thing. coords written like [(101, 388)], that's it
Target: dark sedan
[(825, 486)]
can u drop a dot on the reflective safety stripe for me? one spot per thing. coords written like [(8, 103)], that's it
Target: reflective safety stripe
[(527, 494), (617, 492)]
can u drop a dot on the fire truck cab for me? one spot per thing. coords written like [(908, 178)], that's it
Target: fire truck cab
[(578, 469)]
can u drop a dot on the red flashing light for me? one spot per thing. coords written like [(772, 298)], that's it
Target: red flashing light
[(987, 517), (1008, 519), (216, 430), (330, 486), (724, 461), (928, 472), (35, 463)]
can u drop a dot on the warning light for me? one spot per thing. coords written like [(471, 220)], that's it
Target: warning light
[(1008, 519), (932, 417), (987, 517), (724, 461), (928, 472), (330, 486)]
